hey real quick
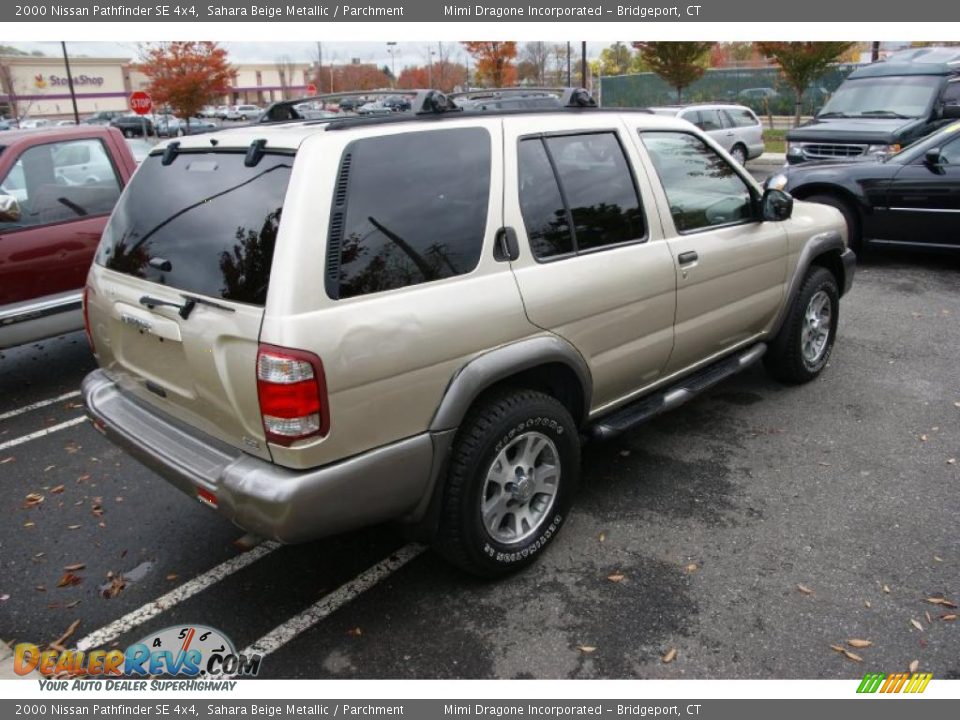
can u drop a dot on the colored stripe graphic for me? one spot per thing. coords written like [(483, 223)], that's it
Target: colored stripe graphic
[(894, 683)]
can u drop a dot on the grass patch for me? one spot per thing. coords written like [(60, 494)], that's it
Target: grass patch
[(775, 141)]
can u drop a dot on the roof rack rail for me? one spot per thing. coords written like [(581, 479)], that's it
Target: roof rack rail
[(422, 101), (568, 96)]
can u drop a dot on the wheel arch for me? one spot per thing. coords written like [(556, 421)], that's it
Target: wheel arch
[(838, 191)]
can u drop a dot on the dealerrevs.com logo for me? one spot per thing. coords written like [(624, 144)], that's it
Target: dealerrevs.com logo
[(202, 656), (904, 682)]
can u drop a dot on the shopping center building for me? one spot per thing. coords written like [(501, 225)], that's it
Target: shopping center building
[(38, 87)]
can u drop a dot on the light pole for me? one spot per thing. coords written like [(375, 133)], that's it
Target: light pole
[(430, 55), (73, 95), (392, 49)]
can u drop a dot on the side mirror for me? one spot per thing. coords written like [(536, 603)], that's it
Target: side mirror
[(951, 112), (932, 157), (776, 205), (9, 209)]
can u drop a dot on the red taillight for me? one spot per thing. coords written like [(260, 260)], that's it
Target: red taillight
[(293, 394), (87, 292)]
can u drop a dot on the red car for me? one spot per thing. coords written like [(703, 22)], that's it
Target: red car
[(58, 186)]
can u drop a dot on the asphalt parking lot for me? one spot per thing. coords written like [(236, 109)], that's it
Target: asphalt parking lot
[(750, 530)]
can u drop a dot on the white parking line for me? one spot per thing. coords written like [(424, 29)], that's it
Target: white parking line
[(41, 433), (37, 405), (175, 596), (282, 634)]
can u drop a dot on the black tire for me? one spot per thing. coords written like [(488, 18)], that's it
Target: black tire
[(494, 426), (739, 153), (850, 216), (785, 358)]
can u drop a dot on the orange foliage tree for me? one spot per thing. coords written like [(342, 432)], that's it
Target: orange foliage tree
[(494, 62), (353, 76), (445, 76), (185, 75)]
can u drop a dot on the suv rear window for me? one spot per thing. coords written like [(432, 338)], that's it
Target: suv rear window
[(209, 216), (408, 208)]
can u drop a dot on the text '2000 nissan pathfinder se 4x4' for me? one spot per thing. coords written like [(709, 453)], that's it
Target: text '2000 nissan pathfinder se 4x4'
[(315, 326)]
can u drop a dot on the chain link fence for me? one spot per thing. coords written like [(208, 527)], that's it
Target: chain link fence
[(764, 89)]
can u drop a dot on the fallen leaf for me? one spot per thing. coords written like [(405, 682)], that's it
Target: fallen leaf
[(866, 604), (48, 468), (804, 589), (119, 498), (29, 524), (916, 624), (824, 464), (72, 527), (669, 656), (69, 579), (602, 536), (691, 568), (355, 632), (856, 643), (6, 460), (83, 478), (937, 558), (73, 604), (923, 438), (957, 404), (57, 490), (4, 597), (39, 554), (940, 601), (949, 617), (846, 653), (914, 666), (616, 577), (172, 576), (886, 588), (74, 567), (33, 499), (69, 631), (114, 587), (929, 619), (586, 649), (40, 588), (951, 461), (624, 453)]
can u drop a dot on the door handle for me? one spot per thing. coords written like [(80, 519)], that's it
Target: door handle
[(507, 247), (685, 258)]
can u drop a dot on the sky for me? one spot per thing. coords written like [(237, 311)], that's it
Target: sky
[(407, 53)]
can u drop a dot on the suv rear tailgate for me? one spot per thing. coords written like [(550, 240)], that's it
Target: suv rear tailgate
[(176, 295)]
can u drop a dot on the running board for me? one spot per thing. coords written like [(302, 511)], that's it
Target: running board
[(674, 395)]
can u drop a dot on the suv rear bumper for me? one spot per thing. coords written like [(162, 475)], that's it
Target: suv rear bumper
[(387, 483)]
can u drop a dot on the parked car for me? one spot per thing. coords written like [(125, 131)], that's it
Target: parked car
[(221, 112), (397, 103), (758, 94), (490, 288), (207, 111), (374, 107), (735, 127), (5, 124), (911, 198), (65, 123), (57, 187), (244, 112), (351, 104), (134, 125), (139, 148), (34, 123), (512, 101), (102, 117), (883, 107)]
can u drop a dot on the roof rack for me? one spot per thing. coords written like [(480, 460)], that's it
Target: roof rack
[(568, 96), (422, 101)]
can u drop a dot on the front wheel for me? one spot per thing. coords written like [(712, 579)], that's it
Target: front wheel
[(513, 473), (803, 346)]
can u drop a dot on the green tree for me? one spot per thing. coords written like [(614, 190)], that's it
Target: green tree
[(677, 63), (615, 60), (803, 62)]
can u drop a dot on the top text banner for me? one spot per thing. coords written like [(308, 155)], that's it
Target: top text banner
[(516, 11)]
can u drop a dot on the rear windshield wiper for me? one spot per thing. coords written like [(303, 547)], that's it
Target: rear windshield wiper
[(833, 113), (184, 310)]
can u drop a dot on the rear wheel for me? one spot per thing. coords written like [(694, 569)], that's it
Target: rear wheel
[(513, 473), (850, 217), (739, 153), (802, 348)]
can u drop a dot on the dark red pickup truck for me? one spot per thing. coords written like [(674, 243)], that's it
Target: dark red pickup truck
[(57, 188)]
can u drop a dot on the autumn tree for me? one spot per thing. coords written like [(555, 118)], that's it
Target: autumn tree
[(446, 76), (679, 64), (494, 62), (185, 75), (615, 60), (352, 76), (802, 62), (533, 62)]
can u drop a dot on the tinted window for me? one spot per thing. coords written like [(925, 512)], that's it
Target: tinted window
[(951, 95), (544, 214), (740, 118), (409, 208), (598, 188), (709, 120), (950, 153), (60, 182), (214, 220), (702, 188)]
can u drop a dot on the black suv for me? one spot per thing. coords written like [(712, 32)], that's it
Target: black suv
[(883, 107)]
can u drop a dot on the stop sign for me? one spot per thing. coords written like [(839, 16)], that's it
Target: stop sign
[(140, 103), (311, 89)]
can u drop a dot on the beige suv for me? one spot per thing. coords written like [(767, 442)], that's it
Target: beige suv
[(316, 326)]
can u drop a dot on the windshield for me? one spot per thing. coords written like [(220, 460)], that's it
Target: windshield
[(204, 224), (905, 96)]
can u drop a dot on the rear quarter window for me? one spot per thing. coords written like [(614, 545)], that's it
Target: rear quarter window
[(408, 208)]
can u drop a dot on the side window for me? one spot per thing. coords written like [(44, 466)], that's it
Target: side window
[(739, 118), (950, 153), (408, 208), (62, 181), (577, 193), (702, 188), (544, 213), (709, 120), (951, 95), (691, 116)]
